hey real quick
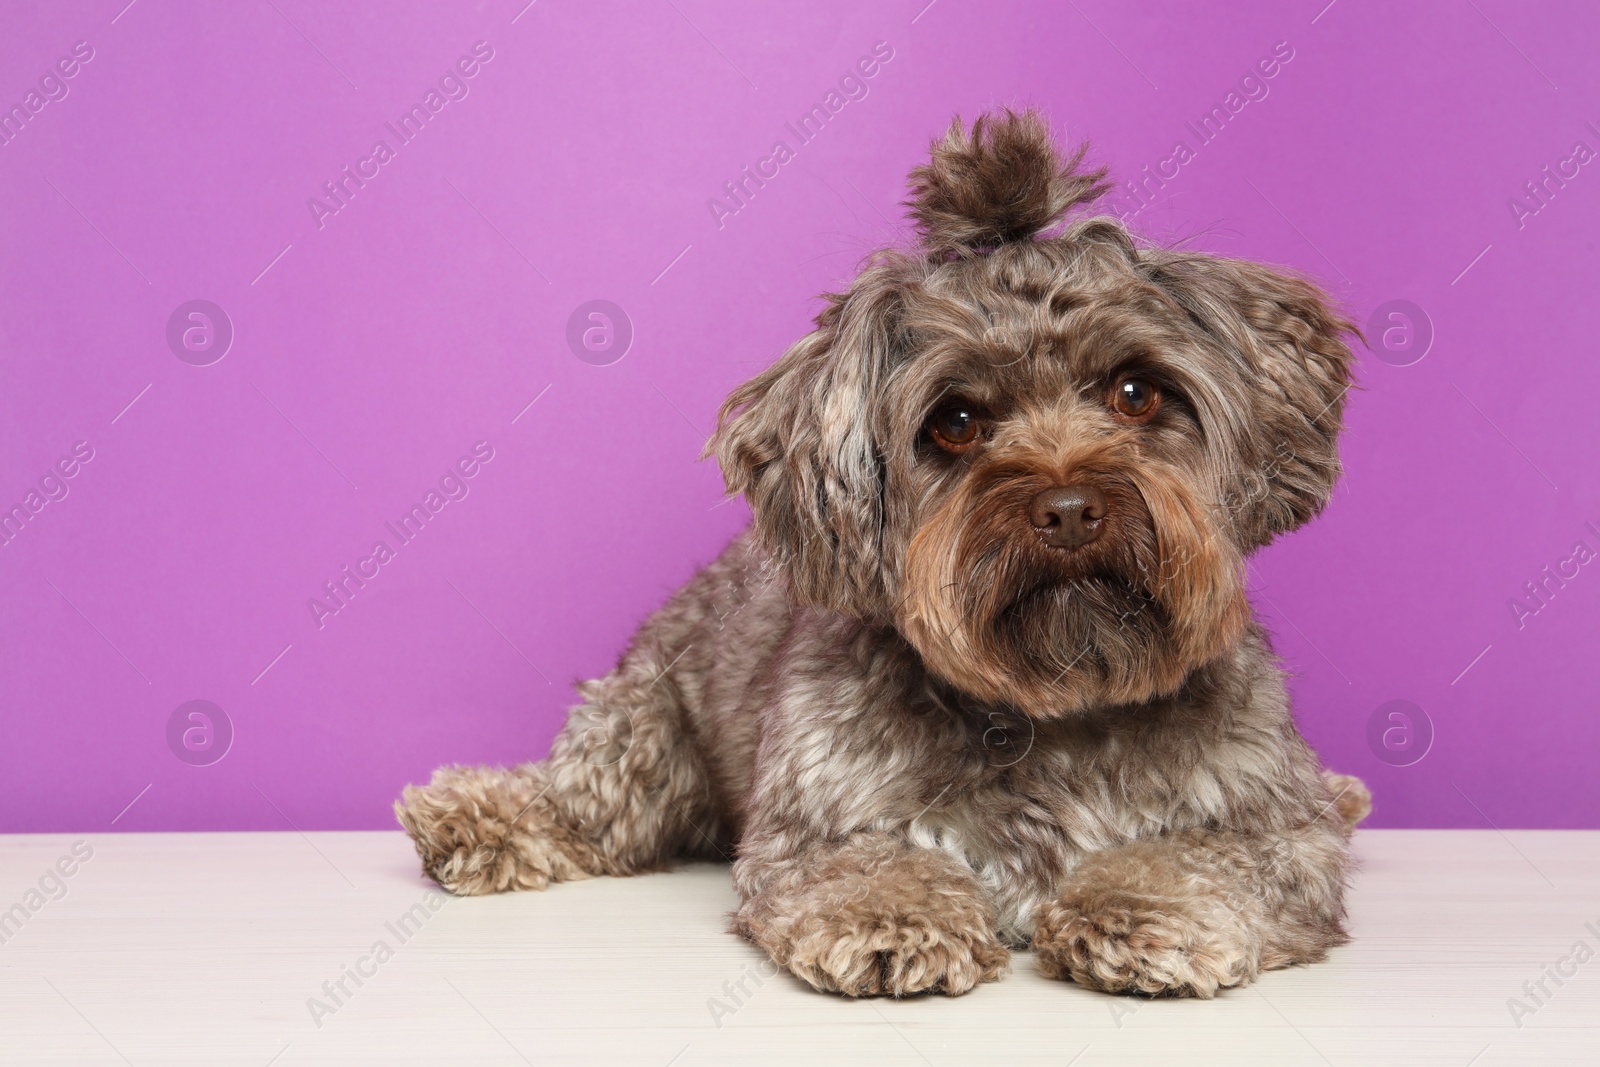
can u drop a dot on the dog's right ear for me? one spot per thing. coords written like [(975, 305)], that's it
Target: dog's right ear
[(804, 442)]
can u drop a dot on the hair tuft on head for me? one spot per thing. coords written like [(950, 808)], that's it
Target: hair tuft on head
[(1002, 181)]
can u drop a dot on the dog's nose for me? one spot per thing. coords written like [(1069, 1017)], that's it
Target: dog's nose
[(1068, 516)]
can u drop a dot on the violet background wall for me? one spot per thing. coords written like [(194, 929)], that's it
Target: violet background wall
[(372, 347)]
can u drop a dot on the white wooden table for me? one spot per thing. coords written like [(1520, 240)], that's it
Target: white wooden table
[(208, 949)]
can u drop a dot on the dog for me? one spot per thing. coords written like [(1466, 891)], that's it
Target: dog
[(982, 674)]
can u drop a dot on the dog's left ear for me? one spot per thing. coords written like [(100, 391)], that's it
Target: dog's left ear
[(803, 442), (1276, 435)]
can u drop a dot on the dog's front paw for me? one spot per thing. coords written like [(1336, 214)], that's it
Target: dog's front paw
[(1123, 943), (481, 830), (878, 937)]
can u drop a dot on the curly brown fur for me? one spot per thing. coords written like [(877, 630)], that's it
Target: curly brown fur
[(926, 729)]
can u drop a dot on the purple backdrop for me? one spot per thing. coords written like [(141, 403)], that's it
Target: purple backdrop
[(240, 342)]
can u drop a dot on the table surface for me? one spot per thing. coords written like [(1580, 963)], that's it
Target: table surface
[(214, 949)]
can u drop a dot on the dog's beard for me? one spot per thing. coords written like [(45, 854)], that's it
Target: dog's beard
[(1003, 616)]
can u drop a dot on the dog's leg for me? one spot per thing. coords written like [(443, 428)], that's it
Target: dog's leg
[(872, 916), (1197, 911), (623, 791)]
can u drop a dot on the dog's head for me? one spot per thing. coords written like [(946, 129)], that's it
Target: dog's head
[(1043, 460)]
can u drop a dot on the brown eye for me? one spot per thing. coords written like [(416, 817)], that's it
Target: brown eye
[(1135, 398), (955, 426)]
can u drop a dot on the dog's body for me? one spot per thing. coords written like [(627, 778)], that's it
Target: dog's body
[(983, 674)]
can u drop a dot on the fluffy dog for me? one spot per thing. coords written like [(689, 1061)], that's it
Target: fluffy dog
[(982, 674)]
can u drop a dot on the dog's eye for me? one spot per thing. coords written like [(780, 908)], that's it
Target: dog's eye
[(956, 426), (1135, 397)]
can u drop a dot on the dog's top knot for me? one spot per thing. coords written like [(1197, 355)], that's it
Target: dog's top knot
[(1002, 181)]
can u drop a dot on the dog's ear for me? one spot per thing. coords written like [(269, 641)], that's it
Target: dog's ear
[(802, 442), (1003, 181), (1275, 436)]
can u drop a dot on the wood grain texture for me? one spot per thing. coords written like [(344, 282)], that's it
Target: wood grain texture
[(205, 949)]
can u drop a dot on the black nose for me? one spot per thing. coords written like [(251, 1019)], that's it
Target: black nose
[(1068, 516)]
